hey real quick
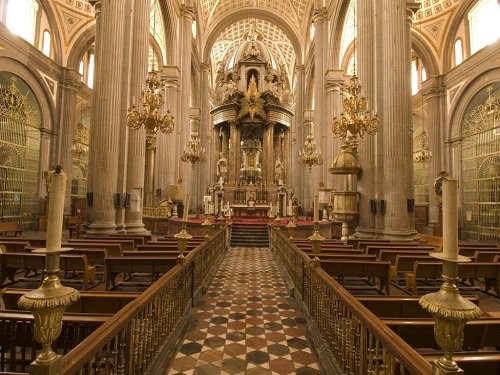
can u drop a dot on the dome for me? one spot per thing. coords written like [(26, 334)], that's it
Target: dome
[(252, 48)]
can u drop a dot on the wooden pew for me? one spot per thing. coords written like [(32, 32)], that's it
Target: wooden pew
[(485, 256), (478, 334), (159, 253), (405, 263), (138, 240), (435, 241), (112, 249), (34, 242), (90, 302), (391, 255), (78, 263), (336, 251), (400, 248), (330, 256), (10, 227), (490, 272), (349, 268), (14, 246), (130, 265), (470, 251), (164, 247), (399, 307), (125, 244)]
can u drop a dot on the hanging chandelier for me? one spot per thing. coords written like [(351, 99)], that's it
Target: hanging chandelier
[(310, 155), (423, 155), (152, 101), (355, 120), (194, 151)]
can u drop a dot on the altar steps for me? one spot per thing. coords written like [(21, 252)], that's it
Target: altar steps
[(245, 235)]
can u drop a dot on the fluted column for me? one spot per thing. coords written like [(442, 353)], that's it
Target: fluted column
[(296, 171), (434, 97), (319, 173), (167, 149), (106, 116), (205, 129), (234, 156), (366, 72), (268, 154), (69, 84), (397, 154), (186, 23), (137, 138)]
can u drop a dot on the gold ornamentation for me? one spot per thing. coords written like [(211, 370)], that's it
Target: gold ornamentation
[(484, 116), (355, 119), (316, 240), (16, 106), (310, 155), (152, 100), (422, 155), (183, 238), (194, 151), (80, 148), (251, 103)]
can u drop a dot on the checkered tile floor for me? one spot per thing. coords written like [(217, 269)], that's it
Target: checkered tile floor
[(246, 323)]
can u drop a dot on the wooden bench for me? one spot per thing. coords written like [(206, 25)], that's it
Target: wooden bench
[(10, 263), (330, 256), (486, 256), (360, 269), (153, 253), (10, 227), (400, 248), (391, 255), (74, 223), (435, 241), (478, 334), (405, 263), (131, 264), (490, 272), (399, 307), (164, 247), (90, 302), (15, 246), (112, 249), (470, 251), (125, 244), (34, 242), (138, 240)]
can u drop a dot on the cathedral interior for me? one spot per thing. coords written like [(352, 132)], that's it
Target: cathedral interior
[(246, 123)]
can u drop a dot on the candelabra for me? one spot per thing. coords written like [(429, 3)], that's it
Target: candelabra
[(310, 155), (423, 155), (194, 151), (152, 100), (355, 120)]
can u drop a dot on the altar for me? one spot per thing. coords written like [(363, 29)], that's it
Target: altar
[(241, 210)]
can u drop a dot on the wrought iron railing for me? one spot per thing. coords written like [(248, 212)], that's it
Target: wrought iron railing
[(355, 338), (133, 342)]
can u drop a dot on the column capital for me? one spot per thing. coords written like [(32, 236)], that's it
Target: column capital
[(300, 69), (187, 12), (412, 7), (319, 15), (70, 79), (334, 79), (205, 67), (97, 4)]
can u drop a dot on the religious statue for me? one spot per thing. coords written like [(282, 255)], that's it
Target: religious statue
[(222, 167), (279, 170)]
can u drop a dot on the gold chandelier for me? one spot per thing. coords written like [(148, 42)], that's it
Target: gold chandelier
[(355, 120), (423, 155), (152, 101), (194, 151), (310, 155)]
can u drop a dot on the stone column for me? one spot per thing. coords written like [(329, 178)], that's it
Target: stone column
[(167, 149), (268, 155), (69, 83), (434, 97), (186, 22), (366, 72), (298, 136), (319, 173), (106, 116), (137, 138), (397, 153), (205, 130)]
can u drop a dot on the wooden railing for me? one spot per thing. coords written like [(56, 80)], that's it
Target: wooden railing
[(353, 336), (135, 340)]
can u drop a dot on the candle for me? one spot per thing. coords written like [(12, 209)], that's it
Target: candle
[(57, 190), (450, 219), (186, 208), (316, 208)]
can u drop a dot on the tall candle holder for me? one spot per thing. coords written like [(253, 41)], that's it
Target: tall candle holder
[(449, 309), (48, 302), (183, 238), (316, 240), (291, 229), (206, 227)]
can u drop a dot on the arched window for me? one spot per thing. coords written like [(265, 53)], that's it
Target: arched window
[(90, 71), (483, 24), (21, 18), (81, 69), (46, 43), (414, 77), (193, 29), (156, 27), (459, 52)]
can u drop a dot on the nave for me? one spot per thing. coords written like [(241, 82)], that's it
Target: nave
[(247, 323)]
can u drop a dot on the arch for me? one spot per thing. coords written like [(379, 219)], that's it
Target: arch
[(170, 25), (262, 14), (423, 50), (54, 30), (465, 94), (337, 24), (37, 85), (80, 46), (449, 45)]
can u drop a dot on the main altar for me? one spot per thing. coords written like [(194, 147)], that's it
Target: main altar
[(251, 128)]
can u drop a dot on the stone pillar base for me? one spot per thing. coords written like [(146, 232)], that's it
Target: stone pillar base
[(403, 235), (101, 229)]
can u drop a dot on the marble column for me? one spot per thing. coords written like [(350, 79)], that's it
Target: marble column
[(234, 155), (137, 138), (69, 84), (106, 116), (268, 155), (205, 130), (186, 22), (366, 73), (397, 136), (434, 97)]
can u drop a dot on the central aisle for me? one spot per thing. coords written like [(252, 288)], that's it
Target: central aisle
[(245, 324)]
